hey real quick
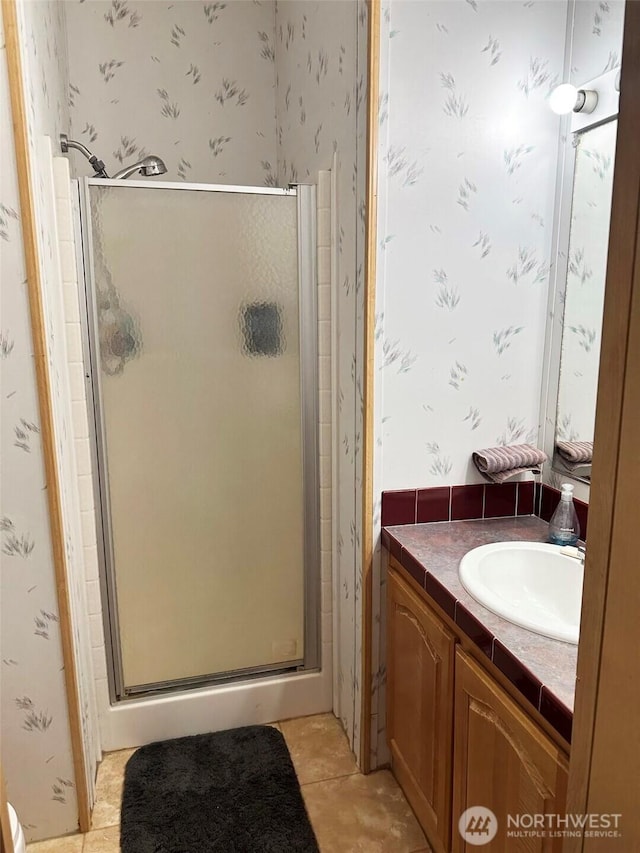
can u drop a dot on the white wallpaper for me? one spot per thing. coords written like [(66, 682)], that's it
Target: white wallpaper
[(597, 38), (467, 160), (321, 108), (36, 748), (469, 156), (192, 81)]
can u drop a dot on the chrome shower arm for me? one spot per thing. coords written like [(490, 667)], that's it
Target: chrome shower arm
[(66, 144), (98, 165)]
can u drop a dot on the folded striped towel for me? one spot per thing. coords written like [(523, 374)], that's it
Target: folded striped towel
[(497, 464), (575, 454)]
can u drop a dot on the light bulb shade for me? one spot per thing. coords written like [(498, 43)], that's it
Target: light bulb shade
[(563, 99)]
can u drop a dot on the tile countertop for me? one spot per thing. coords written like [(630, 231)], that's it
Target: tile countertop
[(543, 669)]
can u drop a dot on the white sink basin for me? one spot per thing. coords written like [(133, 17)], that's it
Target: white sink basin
[(530, 584)]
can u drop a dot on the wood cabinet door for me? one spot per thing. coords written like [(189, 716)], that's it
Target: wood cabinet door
[(420, 657), (502, 761)]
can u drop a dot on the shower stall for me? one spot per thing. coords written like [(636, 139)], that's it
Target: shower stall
[(201, 356)]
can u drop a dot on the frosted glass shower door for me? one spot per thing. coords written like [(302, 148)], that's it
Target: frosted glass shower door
[(197, 363)]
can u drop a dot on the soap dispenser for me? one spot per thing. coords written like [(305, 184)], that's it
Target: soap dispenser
[(564, 527)]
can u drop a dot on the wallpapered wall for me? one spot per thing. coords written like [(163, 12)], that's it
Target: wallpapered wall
[(597, 38), (321, 108), (469, 155), (467, 166), (36, 747), (192, 81)]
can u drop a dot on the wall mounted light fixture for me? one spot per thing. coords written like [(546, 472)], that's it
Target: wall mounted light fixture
[(567, 98)]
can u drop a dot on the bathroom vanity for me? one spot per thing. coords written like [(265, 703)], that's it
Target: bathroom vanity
[(479, 710)]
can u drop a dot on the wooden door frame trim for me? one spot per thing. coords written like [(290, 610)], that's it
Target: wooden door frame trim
[(622, 285), (43, 381), (373, 68)]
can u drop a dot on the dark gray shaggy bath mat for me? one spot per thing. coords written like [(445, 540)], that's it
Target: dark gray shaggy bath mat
[(227, 792)]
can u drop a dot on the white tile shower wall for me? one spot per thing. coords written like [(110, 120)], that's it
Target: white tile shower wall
[(36, 744), (467, 162), (85, 567), (53, 310), (193, 82), (321, 104), (63, 416)]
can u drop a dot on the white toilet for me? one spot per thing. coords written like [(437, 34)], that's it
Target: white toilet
[(19, 844)]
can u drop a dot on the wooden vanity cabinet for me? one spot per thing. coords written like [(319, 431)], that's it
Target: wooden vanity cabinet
[(457, 738), (502, 760), (420, 666)]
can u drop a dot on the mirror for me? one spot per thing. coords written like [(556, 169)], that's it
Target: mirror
[(584, 298)]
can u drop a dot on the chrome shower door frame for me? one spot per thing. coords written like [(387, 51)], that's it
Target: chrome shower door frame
[(309, 410)]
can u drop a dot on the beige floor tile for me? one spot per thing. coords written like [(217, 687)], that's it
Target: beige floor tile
[(106, 811), (105, 840), (318, 747), (67, 844), (363, 814)]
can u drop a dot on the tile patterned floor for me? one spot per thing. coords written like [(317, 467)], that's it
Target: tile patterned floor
[(350, 813)]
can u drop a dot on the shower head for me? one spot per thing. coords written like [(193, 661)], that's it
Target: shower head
[(153, 165), (148, 166)]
